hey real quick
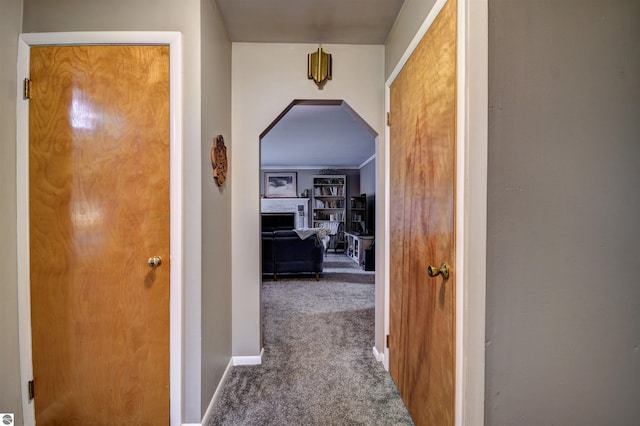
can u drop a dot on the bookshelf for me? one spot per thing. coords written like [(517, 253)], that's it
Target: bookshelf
[(328, 205), (358, 214)]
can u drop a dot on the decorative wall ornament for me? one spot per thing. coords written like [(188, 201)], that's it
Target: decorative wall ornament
[(319, 66), (219, 160), (328, 172)]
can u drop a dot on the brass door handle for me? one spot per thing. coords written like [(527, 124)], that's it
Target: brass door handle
[(154, 261), (443, 270)]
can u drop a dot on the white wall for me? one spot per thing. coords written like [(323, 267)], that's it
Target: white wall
[(10, 392), (266, 78)]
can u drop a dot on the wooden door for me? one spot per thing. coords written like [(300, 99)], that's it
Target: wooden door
[(99, 208), (423, 146)]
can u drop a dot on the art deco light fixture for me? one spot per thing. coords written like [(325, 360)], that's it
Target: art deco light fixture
[(319, 67)]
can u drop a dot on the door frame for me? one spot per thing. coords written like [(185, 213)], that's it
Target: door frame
[(174, 41), (471, 202)]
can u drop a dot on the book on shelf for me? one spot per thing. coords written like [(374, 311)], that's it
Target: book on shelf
[(329, 191), (328, 204)]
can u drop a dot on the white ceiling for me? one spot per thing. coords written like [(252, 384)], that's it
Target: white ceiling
[(312, 136)]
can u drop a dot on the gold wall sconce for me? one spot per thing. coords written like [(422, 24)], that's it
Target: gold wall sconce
[(319, 67)]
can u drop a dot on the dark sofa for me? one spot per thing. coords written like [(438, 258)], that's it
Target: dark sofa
[(283, 252)]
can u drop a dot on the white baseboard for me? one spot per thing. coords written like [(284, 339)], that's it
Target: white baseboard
[(248, 360), (216, 394), (377, 355)]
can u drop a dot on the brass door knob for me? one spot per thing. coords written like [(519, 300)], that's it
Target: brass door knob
[(443, 270), (154, 261)]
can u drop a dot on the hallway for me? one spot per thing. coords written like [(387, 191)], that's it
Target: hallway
[(318, 368)]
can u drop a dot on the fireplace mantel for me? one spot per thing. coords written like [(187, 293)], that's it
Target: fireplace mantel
[(300, 206)]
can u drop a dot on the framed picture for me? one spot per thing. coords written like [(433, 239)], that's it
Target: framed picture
[(280, 185)]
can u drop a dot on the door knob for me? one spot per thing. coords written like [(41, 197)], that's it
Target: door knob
[(154, 261), (443, 270)]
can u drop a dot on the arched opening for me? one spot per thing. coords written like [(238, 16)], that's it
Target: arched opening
[(318, 171)]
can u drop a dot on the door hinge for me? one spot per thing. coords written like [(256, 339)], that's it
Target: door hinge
[(388, 119), (27, 89), (30, 390), (387, 340)]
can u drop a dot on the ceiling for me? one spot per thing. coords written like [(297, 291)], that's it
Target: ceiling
[(318, 136), (306, 21), (310, 136)]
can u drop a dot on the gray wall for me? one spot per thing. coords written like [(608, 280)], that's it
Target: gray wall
[(10, 395), (410, 18), (206, 113), (216, 203), (563, 283)]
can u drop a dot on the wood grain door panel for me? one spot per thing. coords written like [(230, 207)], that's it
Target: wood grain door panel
[(423, 147), (99, 208)]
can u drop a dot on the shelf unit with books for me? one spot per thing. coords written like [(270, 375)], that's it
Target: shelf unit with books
[(358, 212), (329, 206)]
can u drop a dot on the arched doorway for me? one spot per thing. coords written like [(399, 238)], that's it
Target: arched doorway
[(310, 143)]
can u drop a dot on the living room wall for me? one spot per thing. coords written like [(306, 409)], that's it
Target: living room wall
[(305, 181)]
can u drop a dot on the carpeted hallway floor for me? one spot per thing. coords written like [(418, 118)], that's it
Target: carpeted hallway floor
[(318, 367)]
